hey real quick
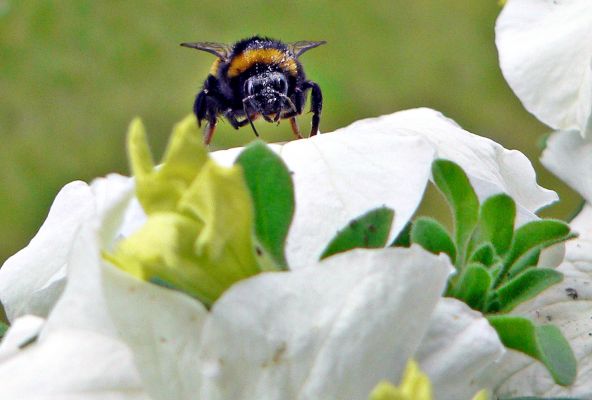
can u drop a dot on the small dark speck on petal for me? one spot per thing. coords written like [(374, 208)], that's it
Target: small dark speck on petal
[(571, 293)]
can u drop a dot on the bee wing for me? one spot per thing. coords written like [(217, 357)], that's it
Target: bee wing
[(304, 45), (220, 50)]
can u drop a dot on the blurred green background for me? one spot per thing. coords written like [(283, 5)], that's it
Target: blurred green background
[(74, 73)]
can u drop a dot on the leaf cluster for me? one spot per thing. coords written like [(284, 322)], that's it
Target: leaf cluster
[(496, 263)]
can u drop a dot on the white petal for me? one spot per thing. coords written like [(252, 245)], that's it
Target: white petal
[(113, 195), (32, 280), (82, 305), (579, 251), (341, 175), (545, 50), (71, 365), (457, 347), (163, 329), (568, 305), (569, 156), (22, 330), (490, 167), (386, 161), (330, 331)]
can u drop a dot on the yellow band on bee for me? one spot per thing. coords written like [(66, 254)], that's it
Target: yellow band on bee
[(214, 67), (248, 58)]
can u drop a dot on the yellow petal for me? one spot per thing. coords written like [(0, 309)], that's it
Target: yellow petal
[(481, 395), (219, 197), (199, 236), (159, 189), (415, 385)]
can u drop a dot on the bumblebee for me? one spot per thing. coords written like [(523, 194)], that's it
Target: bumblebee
[(256, 77)]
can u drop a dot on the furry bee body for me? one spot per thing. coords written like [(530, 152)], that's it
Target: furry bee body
[(256, 77)]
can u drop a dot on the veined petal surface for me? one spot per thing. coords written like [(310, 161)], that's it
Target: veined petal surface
[(545, 51), (386, 161), (330, 331)]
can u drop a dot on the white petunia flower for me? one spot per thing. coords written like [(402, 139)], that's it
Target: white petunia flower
[(332, 330), (325, 329), (545, 51), (337, 176)]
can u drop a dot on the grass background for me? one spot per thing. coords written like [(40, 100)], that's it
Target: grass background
[(74, 73)]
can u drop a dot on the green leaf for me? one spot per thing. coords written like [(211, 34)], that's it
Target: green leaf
[(272, 191), (367, 231), (403, 239), (496, 222), (544, 343), (433, 237), (556, 354), (540, 233), (527, 260), (454, 184), (484, 254), (473, 286), (527, 239), (526, 286)]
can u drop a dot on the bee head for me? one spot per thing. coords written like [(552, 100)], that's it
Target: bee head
[(266, 93)]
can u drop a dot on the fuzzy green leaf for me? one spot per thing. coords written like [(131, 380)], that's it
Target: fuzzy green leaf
[(544, 343), (455, 186), (484, 254), (433, 237), (496, 222), (473, 286), (540, 233), (367, 231), (272, 192), (527, 260), (526, 286), (528, 240)]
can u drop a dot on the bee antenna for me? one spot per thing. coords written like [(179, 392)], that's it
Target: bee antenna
[(248, 116)]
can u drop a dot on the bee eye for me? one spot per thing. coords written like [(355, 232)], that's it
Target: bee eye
[(281, 84), (249, 87), (254, 87)]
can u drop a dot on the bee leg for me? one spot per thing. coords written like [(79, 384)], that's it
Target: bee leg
[(293, 123), (316, 105), (209, 131), (229, 114), (200, 107), (298, 99), (295, 127), (207, 106)]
